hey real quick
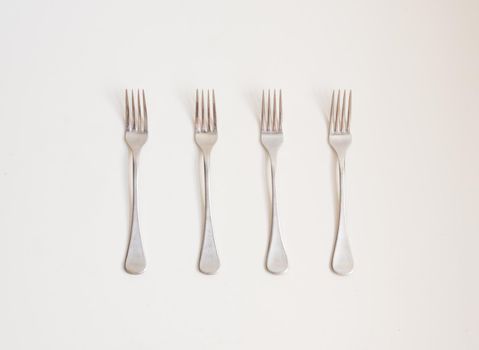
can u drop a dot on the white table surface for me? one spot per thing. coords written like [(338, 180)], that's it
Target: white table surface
[(412, 175)]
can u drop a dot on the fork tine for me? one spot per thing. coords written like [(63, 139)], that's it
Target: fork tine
[(269, 125), (140, 114), (203, 121), (209, 126), (343, 111), (127, 111), (338, 95), (197, 112), (350, 101), (133, 112), (275, 121), (262, 113), (145, 114), (331, 114), (280, 111), (214, 110)]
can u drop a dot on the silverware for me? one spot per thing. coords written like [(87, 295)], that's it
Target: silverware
[(136, 134), (205, 136), (272, 138), (340, 139)]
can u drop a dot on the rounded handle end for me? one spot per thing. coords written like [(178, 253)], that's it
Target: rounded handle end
[(209, 263), (277, 261), (135, 265)]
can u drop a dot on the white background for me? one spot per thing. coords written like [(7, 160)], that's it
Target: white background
[(412, 174)]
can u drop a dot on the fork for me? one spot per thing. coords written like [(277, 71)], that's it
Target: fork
[(136, 134), (205, 136), (340, 139), (272, 138)]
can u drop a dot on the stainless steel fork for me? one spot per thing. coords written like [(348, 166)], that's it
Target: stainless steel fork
[(272, 138), (205, 136), (340, 139), (136, 134)]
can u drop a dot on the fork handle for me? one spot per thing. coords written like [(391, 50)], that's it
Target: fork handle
[(342, 262), (209, 261), (135, 258), (276, 261)]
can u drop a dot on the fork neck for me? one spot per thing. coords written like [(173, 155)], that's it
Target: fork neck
[(135, 154), (206, 154), (341, 158), (272, 154)]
